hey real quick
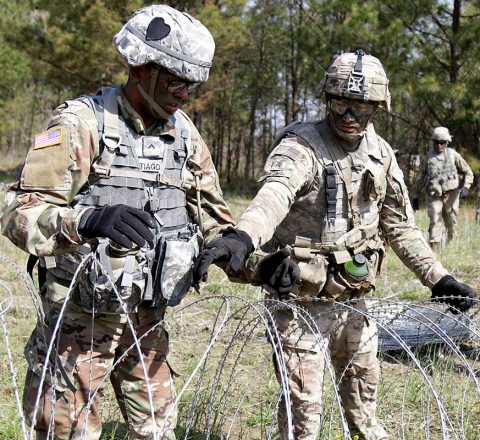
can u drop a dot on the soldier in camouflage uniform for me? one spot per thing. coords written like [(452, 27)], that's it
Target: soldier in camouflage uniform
[(446, 177), (121, 188), (331, 195)]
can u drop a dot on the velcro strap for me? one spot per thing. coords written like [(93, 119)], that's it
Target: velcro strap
[(152, 177), (155, 204), (106, 200), (122, 182)]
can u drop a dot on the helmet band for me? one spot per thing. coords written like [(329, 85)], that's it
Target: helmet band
[(166, 50)]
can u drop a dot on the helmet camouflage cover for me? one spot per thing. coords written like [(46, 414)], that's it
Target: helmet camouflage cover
[(358, 76), (162, 35), (441, 134)]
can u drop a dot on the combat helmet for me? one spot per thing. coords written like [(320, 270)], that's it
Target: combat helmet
[(172, 39), (358, 76), (441, 134)]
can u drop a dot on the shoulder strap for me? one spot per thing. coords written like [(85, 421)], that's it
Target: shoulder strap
[(110, 136)]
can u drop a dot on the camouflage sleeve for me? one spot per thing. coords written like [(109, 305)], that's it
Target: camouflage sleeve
[(399, 229), (216, 214), (464, 170), (289, 170), (36, 213)]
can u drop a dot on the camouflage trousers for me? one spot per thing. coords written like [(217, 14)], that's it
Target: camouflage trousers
[(329, 335), (444, 207), (93, 350)]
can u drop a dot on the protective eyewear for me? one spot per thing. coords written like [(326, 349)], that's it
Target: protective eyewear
[(177, 86), (440, 142), (357, 108)]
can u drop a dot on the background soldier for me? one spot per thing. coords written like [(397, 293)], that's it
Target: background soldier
[(446, 177), (332, 193), (113, 175)]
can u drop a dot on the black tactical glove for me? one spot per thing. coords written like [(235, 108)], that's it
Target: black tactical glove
[(458, 295), (463, 193), (234, 246), (279, 271), (122, 224), (415, 204)]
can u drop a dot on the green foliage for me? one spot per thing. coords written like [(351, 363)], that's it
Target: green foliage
[(270, 56)]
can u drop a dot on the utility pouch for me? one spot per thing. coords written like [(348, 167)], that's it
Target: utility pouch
[(342, 286), (174, 273), (374, 184), (112, 264), (313, 275), (313, 269)]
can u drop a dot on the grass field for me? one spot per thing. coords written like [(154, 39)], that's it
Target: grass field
[(230, 391)]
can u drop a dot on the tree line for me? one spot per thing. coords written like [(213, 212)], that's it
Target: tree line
[(270, 56)]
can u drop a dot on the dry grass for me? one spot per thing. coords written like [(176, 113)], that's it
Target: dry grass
[(238, 371)]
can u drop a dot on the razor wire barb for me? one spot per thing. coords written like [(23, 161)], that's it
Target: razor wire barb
[(229, 389)]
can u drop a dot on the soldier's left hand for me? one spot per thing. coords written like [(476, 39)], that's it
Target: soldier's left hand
[(463, 193), (233, 247), (278, 271), (459, 296)]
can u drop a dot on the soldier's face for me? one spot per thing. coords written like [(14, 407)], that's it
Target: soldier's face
[(350, 116), (168, 91), (171, 92), (439, 146)]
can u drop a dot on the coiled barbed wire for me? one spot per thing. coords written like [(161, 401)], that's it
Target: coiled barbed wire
[(215, 398)]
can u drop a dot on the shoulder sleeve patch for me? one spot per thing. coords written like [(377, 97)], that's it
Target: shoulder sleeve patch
[(46, 166), (48, 138)]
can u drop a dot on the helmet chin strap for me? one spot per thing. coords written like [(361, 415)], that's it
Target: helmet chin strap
[(154, 108)]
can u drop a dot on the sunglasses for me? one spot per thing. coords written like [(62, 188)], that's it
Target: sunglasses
[(175, 86), (440, 142), (357, 108)]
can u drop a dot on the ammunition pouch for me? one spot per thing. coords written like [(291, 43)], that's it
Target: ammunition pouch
[(341, 286), (157, 277), (123, 268), (174, 271), (322, 273)]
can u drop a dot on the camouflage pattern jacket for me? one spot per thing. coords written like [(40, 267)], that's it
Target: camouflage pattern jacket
[(327, 201), (443, 172), (39, 213)]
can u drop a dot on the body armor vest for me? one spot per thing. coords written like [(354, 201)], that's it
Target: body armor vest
[(161, 275), (442, 173), (340, 211)]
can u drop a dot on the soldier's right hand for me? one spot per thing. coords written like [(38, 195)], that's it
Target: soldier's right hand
[(415, 204), (278, 271), (233, 247), (121, 223)]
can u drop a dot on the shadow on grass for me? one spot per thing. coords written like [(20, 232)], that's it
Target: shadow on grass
[(119, 431), (9, 175)]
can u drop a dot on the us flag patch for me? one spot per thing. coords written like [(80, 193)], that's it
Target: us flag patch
[(48, 138)]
